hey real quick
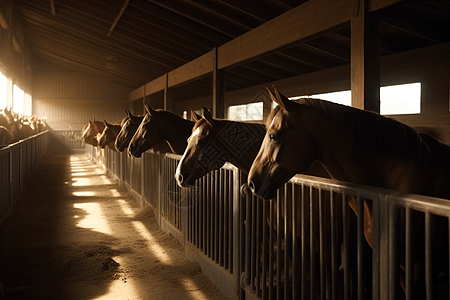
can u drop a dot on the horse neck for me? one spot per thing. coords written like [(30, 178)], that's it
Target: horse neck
[(246, 132), (176, 131)]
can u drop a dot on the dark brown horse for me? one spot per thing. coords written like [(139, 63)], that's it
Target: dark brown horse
[(129, 126), (158, 126), (108, 136), (354, 146)]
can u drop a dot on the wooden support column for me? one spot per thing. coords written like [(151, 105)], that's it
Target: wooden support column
[(218, 88), (365, 57), (168, 95)]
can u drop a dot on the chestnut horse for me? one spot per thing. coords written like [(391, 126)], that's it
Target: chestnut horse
[(214, 142), (354, 146), (108, 136), (158, 126), (90, 132)]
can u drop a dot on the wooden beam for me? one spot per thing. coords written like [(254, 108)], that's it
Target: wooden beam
[(196, 68), (122, 10), (52, 7), (365, 57)]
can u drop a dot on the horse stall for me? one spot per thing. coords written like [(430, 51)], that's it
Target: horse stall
[(305, 244), (17, 162)]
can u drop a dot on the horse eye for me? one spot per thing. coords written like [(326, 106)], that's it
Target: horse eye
[(201, 141), (274, 137)]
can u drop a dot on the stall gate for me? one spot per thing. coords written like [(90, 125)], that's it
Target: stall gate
[(305, 244), (17, 162)]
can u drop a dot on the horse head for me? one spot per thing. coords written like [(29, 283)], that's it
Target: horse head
[(204, 151), (287, 149), (129, 125), (148, 134)]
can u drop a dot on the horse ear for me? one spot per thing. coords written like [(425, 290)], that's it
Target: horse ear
[(106, 123), (280, 99), (128, 112), (207, 114), (194, 115), (148, 109)]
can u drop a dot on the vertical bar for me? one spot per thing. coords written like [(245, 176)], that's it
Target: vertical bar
[(333, 227), (265, 248), (279, 235), (346, 249), (295, 246), (258, 242), (428, 258), (271, 254), (323, 283), (408, 254), (360, 247), (303, 245), (312, 252), (393, 252), (221, 222), (286, 241)]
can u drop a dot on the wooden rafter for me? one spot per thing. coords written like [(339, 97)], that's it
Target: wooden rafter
[(122, 10), (52, 7)]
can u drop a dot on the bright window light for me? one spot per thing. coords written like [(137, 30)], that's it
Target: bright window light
[(400, 99), (3, 91), (246, 112), (18, 99)]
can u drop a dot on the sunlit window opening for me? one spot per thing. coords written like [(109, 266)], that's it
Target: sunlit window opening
[(400, 99), (3, 91), (27, 110), (18, 99), (246, 112)]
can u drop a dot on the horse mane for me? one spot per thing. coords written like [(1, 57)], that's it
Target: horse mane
[(373, 132)]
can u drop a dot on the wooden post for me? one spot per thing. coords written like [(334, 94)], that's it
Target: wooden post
[(168, 97), (365, 57), (218, 88)]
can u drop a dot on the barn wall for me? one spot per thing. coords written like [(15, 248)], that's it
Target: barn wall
[(430, 66), (69, 99)]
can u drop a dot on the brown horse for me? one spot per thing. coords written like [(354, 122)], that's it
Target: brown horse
[(214, 142), (129, 125), (354, 146), (108, 136), (158, 126), (90, 132)]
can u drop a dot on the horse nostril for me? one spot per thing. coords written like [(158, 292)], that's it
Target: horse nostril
[(251, 185), (180, 178)]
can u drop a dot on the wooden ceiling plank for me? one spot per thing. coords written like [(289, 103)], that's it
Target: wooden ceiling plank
[(126, 44)]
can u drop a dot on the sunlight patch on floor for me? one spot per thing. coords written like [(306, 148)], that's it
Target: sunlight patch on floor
[(94, 218), (84, 194), (121, 286), (156, 249)]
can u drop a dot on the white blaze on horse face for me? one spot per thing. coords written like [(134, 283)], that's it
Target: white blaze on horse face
[(196, 132)]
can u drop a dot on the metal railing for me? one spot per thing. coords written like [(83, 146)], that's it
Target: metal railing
[(305, 244), (17, 162)]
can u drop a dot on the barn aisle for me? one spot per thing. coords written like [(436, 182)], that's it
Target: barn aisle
[(76, 235)]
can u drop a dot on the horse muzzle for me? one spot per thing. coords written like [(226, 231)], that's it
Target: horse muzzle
[(185, 180), (261, 187)]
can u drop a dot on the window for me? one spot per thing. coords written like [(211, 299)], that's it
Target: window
[(18, 99), (394, 100), (246, 112), (400, 99), (3, 91)]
